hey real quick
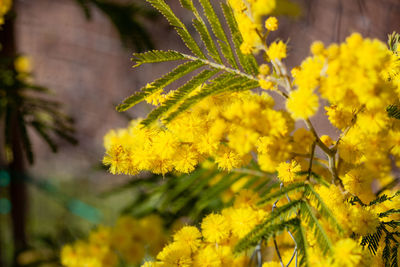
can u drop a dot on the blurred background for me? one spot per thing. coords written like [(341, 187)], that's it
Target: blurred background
[(80, 50)]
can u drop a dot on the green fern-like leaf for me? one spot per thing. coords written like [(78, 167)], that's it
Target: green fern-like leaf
[(178, 25), (301, 242), (195, 190), (222, 185), (383, 198), (279, 214), (322, 238), (226, 83), (393, 41), (387, 251), (219, 32), (159, 84), (231, 79), (43, 133), (188, 4), (394, 261), (372, 240), (265, 234), (202, 29), (179, 95), (248, 62), (393, 111), (154, 56), (27, 145), (322, 208), (207, 39), (180, 188), (388, 212), (281, 193)]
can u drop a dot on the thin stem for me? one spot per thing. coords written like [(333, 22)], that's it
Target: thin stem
[(275, 244), (331, 153), (317, 139), (251, 172), (257, 253), (291, 235), (259, 256), (221, 67), (278, 253), (291, 259), (230, 70), (311, 160), (294, 154), (332, 168), (345, 131)]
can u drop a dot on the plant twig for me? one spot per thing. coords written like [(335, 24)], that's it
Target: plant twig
[(317, 139), (278, 253), (311, 160), (291, 259)]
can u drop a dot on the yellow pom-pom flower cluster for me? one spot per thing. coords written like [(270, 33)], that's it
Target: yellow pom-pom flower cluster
[(213, 246), (213, 243), (129, 240), (225, 127), (356, 81), (353, 78), (248, 14), (5, 6)]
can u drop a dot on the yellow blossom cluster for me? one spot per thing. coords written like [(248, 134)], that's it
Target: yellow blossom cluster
[(5, 6), (130, 240), (356, 78), (248, 14), (356, 81), (226, 127), (347, 253), (213, 246), (353, 218)]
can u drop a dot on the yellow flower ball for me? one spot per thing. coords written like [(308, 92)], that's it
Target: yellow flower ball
[(271, 24)]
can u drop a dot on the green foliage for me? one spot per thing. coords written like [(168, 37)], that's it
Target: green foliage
[(290, 217), (248, 62), (236, 75), (216, 26), (266, 233), (281, 193), (126, 19), (321, 207), (281, 219), (380, 199), (269, 227), (158, 84), (393, 111), (322, 238), (310, 193), (301, 243), (393, 41), (180, 28), (189, 195), (224, 83), (25, 105), (179, 95), (372, 241), (156, 56)]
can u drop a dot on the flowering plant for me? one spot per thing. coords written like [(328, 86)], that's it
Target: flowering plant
[(315, 200)]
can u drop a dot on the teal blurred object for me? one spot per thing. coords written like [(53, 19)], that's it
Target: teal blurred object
[(4, 178), (84, 210), (5, 206), (75, 206)]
